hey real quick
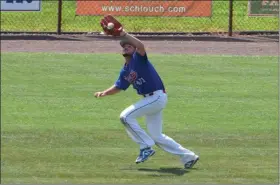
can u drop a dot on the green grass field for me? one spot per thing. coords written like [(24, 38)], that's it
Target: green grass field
[(55, 131), (46, 20)]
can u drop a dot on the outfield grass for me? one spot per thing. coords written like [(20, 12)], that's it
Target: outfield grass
[(55, 131), (47, 20)]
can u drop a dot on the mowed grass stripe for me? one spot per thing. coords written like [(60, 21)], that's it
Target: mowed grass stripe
[(55, 131)]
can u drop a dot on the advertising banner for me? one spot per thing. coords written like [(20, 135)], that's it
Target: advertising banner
[(20, 5), (189, 8), (263, 8)]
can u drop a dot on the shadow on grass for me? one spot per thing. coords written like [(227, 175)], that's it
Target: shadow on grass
[(174, 171)]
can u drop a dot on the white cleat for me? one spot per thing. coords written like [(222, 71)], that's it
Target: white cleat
[(189, 164)]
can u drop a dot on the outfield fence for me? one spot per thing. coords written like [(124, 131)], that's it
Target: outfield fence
[(83, 16)]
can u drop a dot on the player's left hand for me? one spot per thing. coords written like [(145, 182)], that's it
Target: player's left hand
[(99, 94), (118, 28)]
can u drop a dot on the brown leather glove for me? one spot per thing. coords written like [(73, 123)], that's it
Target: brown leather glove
[(118, 28)]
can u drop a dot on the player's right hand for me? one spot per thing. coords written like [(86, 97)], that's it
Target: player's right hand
[(99, 94)]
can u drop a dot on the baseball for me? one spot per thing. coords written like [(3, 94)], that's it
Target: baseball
[(110, 25)]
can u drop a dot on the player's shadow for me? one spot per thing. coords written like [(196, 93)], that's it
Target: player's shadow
[(174, 171)]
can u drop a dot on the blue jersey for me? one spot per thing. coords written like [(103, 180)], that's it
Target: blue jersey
[(141, 74)]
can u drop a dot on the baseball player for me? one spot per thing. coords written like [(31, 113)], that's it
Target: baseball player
[(140, 73)]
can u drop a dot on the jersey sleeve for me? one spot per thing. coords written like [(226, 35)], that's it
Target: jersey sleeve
[(139, 57), (121, 83)]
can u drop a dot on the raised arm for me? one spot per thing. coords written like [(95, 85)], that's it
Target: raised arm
[(136, 42), (117, 30)]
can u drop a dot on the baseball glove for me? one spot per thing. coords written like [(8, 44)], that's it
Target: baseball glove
[(118, 28)]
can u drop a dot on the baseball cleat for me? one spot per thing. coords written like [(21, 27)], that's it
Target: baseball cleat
[(191, 163), (144, 155)]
